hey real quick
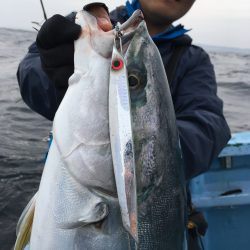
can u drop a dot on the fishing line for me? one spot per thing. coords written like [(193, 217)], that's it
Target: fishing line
[(201, 243)]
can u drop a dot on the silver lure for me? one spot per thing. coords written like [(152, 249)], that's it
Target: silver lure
[(121, 138)]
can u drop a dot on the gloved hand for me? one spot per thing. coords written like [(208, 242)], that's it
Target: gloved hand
[(55, 42)]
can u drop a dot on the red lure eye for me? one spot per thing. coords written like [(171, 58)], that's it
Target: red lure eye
[(117, 64)]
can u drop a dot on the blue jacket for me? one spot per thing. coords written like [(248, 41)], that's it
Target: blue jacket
[(199, 112)]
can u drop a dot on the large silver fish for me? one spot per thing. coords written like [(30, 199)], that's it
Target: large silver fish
[(159, 169), (79, 204)]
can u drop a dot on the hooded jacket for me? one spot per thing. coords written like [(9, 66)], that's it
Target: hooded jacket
[(202, 127)]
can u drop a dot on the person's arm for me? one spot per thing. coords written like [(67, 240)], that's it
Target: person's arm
[(199, 112), (37, 90), (43, 73)]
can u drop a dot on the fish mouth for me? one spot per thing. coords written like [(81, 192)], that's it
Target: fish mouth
[(102, 41), (127, 30), (133, 22)]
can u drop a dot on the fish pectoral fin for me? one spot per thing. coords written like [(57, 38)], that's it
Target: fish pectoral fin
[(91, 215), (24, 225)]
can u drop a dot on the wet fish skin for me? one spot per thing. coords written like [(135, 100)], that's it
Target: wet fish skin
[(77, 205), (159, 168)]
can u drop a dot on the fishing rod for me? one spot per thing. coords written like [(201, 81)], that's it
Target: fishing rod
[(44, 12), (44, 15)]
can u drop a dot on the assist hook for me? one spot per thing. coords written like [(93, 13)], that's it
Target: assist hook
[(118, 38)]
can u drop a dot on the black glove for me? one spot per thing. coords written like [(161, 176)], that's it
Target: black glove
[(55, 42)]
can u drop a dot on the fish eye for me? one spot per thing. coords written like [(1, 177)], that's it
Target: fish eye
[(134, 81), (137, 80)]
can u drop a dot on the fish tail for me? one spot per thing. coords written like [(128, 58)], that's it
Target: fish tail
[(24, 225)]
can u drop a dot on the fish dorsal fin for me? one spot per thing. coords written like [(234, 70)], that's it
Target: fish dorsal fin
[(24, 225)]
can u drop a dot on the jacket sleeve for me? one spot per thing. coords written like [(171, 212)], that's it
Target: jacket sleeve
[(37, 91), (199, 112)]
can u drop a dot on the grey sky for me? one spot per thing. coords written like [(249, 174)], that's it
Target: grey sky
[(213, 22)]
